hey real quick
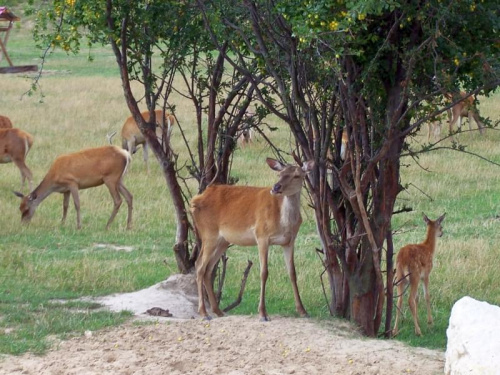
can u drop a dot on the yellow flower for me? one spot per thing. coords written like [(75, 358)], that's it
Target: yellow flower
[(361, 16), (334, 25), (456, 61)]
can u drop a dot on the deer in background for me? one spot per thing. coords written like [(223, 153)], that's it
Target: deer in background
[(5, 122), (465, 108), (82, 170), (132, 136), (14, 147), (249, 216), (414, 263), (246, 132)]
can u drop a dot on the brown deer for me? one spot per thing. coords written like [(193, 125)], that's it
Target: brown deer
[(14, 147), (414, 263), (465, 108), (249, 216), (132, 136), (82, 170), (5, 122)]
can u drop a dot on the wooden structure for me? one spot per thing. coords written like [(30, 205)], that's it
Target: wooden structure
[(7, 19)]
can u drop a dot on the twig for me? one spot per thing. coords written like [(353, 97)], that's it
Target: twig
[(242, 288)]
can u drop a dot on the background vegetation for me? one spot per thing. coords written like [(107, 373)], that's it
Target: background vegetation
[(45, 261)]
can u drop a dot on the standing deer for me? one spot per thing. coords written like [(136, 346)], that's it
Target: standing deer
[(5, 122), (246, 136), (14, 147), (132, 136), (82, 170), (414, 262), (249, 216)]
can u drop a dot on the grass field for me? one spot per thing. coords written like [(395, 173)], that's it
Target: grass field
[(45, 261)]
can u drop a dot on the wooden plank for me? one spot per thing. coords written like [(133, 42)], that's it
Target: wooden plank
[(19, 69)]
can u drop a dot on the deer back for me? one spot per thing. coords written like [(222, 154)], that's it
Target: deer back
[(88, 168), (131, 130), (239, 214), (5, 122), (14, 144)]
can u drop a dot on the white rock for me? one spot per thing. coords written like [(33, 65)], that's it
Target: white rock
[(473, 346)]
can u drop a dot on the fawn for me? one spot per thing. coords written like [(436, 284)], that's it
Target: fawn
[(414, 263)]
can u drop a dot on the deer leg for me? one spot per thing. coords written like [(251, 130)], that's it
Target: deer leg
[(207, 248), (65, 205), (263, 257), (128, 198), (117, 200), (219, 250), (76, 200), (479, 123), (453, 121), (425, 286), (413, 304), (25, 173), (290, 265)]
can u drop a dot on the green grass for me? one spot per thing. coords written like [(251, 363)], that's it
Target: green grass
[(46, 262)]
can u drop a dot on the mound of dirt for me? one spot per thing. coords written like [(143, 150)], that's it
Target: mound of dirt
[(233, 345)]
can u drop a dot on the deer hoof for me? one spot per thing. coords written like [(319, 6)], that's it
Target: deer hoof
[(265, 319)]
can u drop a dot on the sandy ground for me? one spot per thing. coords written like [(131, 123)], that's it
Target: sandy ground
[(231, 345)]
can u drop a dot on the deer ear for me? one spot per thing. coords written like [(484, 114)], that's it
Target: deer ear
[(18, 194), (275, 164), (426, 219), (441, 218), (308, 166)]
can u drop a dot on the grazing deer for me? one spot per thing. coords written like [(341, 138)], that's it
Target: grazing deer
[(465, 108), (249, 216), (132, 136), (414, 263), (82, 170), (14, 147), (5, 122)]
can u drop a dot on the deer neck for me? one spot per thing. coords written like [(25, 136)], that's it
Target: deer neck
[(290, 210), (42, 191), (431, 239)]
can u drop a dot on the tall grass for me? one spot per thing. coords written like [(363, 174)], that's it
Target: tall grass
[(46, 261)]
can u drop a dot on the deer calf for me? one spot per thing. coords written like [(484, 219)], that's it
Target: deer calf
[(414, 263), (132, 136), (82, 170), (248, 216), (14, 147), (5, 122)]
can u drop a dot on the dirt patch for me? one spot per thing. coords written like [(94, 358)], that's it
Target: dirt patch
[(232, 345)]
